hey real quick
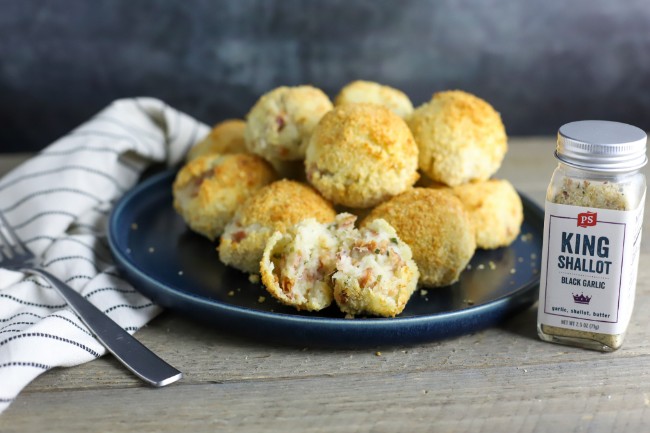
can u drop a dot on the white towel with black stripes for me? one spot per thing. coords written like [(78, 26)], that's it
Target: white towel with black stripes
[(59, 202)]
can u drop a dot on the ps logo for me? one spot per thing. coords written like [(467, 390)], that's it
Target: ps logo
[(587, 219)]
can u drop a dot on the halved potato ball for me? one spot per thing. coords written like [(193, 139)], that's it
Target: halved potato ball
[(360, 155), (279, 125), (461, 138), (375, 93), (367, 271), (224, 138), (276, 207), (434, 223), (375, 272), (297, 266), (495, 210), (208, 190)]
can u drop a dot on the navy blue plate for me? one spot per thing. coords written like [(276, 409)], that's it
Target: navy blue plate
[(181, 271)]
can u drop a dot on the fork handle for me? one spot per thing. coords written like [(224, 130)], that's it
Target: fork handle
[(134, 355)]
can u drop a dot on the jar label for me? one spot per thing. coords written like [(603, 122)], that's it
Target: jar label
[(589, 266)]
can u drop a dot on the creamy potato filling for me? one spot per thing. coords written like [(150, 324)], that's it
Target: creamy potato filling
[(302, 266), (373, 261), (368, 270)]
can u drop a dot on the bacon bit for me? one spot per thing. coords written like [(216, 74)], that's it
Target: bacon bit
[(365, 278), (321, 266), (396, 260), (280, 122), (195, 184), (373, 246), (297, 260), (286, 285), (238, 236)]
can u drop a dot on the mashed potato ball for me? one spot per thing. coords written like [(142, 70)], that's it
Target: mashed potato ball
[(360, 155), (375, 273), (276, 207), (495, 210), (208, 190), (367, 271), (297, 266), (280, 123), (435, 225), (226, 137), (375, 93), (460, 136)]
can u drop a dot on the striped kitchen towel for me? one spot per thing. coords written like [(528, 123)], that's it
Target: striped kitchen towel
[(59, 202)]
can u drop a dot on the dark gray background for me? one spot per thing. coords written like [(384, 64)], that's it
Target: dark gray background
[(540, 63)]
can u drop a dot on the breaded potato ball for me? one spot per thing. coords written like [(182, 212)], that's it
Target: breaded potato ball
[(460, 136), (224, 138), (495, 210), (375, 273), (208, 190), (279, 125), (276, 207), (374, 93), (435, 225), (297, 266), (360, 155)]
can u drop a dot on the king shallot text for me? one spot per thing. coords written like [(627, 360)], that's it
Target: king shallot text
[(580, 251)]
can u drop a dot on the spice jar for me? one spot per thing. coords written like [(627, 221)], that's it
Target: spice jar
[(592, 234)]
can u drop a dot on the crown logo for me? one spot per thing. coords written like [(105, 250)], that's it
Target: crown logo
[(581, 299)]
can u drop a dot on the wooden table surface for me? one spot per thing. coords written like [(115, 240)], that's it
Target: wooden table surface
[(502, 379)]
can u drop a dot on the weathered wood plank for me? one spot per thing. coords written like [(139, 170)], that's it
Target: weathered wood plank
[(546, 397)]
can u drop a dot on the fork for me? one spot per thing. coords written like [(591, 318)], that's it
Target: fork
[(145, 364)]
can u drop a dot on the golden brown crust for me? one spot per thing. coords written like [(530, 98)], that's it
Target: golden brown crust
[(276, 207), (360, 155), (224, 138), (209, 189), (374, 93), (284, 203), (435, 225), (460, 136), (495, 209), (280, 123)]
